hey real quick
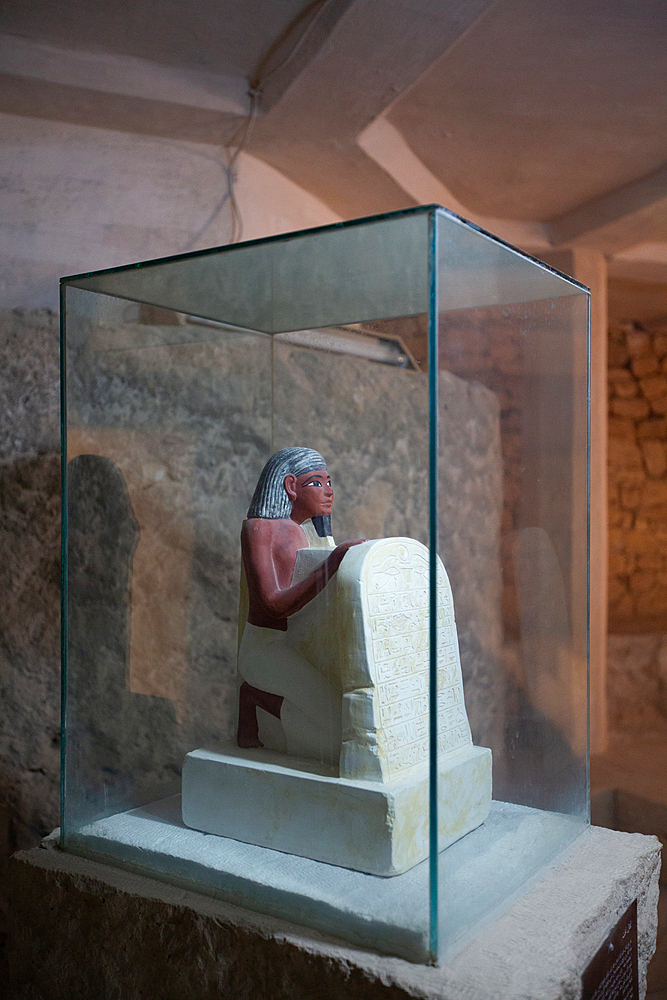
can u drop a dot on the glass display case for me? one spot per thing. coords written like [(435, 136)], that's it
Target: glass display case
[(381, 740)]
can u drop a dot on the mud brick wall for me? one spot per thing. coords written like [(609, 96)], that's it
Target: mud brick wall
[(637, 478)]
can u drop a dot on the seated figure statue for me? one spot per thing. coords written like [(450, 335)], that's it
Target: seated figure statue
[(293, 490), (335, 646)]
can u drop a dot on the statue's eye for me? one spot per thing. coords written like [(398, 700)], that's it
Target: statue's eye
[(314, 482)]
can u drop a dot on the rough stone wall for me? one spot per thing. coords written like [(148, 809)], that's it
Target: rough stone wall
[(29, 576), (196, 392), (488, 352), (484, 345), (495, 346), (637, 477)]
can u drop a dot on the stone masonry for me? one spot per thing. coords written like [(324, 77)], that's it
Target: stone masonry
[(637, 478)]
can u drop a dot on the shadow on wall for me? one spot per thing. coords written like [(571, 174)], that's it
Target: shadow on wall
[(29, 646), (122, 748)]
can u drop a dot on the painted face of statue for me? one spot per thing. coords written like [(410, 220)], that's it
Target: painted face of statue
[(311, 495)]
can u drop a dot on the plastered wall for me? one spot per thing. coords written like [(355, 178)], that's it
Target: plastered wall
[(76, 199)]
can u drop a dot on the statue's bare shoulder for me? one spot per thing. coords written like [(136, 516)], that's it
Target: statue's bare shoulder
[(269, 547), (266, 531)]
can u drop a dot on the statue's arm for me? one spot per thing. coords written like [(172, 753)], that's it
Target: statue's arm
[(269, 554)]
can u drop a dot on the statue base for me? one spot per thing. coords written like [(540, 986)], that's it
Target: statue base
[(259, 797)]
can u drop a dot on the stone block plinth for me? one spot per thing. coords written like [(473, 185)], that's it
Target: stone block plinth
[(80, 929), (259, 797)]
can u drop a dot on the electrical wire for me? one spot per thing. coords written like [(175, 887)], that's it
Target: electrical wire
[(262, 73), (233, 149), (240, 138)]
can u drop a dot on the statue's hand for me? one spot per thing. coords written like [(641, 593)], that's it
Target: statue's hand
[(336, 557)]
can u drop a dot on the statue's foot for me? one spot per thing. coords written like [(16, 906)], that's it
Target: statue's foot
[(247, 734), (248, 742)]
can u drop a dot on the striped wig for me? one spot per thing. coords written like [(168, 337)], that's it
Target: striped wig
[(270, 498)]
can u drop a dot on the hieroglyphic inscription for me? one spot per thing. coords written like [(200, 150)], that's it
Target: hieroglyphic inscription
[(397, 610)]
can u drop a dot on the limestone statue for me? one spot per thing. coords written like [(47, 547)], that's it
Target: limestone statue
[(333, 742), (294, 488)]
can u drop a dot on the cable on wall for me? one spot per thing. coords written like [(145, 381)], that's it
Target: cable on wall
[(234, 146)]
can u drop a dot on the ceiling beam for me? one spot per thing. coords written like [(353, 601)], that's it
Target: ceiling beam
[(119, 92), (652, 272), (295, 48), (635, 213), (372, 54), (383, 142)]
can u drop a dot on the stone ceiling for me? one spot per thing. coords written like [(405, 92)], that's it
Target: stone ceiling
[(224, 36), (545, 121), (542, 107)]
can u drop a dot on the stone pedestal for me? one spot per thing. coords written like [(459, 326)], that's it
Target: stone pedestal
[(82, 929)]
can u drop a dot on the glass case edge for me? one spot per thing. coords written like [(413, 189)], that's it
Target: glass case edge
[(344, 224), (588, 561), (510, 246), (275, 238), (63, 559), (433, 576)]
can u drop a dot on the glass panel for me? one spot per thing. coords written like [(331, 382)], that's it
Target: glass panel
[(162, 447), (177, 457), (476, 269), (341, 274), (369, 420), (183, 378), (512, 536)]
